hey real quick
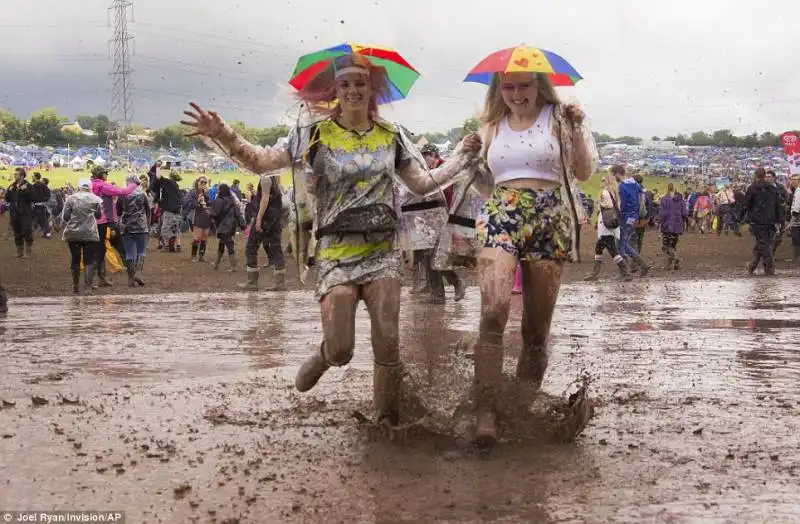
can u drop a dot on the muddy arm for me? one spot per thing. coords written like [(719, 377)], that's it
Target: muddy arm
[(423, 182), (257, 159)]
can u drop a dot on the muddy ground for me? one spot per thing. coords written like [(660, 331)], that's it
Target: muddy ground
[(179, 407), (47, 273)]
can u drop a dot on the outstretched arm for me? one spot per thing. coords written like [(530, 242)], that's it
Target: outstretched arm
[(220, 134)]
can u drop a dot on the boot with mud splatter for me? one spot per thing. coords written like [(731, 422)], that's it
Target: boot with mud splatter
[(88, 276), (312, 370), (139, 264), (218, 261), (488, 375), (20, 251), (532, 365), (595, 274), (130, 268), (624, 273), (76, 280), (201, 251), (280, 281), (101, 275), (252, 280), (195, 248), (232, 263)]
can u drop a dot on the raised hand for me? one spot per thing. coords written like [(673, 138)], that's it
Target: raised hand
[(205, 123)]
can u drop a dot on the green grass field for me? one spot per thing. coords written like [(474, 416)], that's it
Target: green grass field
[(61, 176)]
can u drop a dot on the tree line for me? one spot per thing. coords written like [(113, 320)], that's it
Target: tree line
[(46, 127)]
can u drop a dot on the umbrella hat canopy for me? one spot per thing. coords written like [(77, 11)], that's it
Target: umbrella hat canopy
[(401, 75), (524, 59)]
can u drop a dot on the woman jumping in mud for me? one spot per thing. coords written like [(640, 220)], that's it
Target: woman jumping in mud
[(350, 158), (535, 147)]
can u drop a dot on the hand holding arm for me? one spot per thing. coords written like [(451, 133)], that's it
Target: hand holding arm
[(584, 150), (423, 182)]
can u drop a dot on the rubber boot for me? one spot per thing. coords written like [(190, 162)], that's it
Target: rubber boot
[(138, 273), (27, 252), (218, 261), (517, 289), (624, 272), (20, 252), (532, 365), (232, 262), (3, 301), (670, 255), (280, 281), (76, 280), (252, 280), (130, 268), (201, 252), (101, 274), (195, 248), (488, 374), (387, 383), (88, 275), (595, 274), (459, 288), (312, 370)]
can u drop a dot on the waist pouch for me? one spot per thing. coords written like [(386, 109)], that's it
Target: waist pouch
[(375, 218)]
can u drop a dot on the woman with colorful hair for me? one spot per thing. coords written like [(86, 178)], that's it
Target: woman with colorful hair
[(349, 159), (535, 147)]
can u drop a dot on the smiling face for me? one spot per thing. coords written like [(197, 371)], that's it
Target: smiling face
[(353, 91), (519, 91)]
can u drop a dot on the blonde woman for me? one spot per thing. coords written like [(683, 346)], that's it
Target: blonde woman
[(608, 237), (535, 148)]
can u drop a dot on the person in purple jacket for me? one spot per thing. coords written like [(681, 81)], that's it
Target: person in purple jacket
[(108, 219), (672, 213)]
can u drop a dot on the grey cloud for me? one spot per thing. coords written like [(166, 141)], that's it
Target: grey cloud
[(650, 67)]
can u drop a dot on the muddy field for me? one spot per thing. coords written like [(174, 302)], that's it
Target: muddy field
[(179, 407), (47, 273)]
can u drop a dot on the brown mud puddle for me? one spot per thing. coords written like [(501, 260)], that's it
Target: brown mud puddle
[(180, 408)]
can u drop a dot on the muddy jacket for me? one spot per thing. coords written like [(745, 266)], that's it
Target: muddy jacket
[(107, 192), (227, 216), (20, 202), (671, 212), (134, 213), (81, 211), (763, 205)]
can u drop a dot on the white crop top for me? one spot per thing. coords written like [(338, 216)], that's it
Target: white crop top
[(531, 154)]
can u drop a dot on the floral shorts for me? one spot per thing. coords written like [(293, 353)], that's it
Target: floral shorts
[(529, 224)]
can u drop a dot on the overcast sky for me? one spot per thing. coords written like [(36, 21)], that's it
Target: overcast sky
[(650, 67)]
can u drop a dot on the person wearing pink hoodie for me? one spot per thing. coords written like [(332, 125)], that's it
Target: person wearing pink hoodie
[(108, 219)]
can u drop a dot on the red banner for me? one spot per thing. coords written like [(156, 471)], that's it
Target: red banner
[(791, 143)]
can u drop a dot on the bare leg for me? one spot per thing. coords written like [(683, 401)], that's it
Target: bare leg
[(382, 298), (541, 283), (496, 276), (338, 314)]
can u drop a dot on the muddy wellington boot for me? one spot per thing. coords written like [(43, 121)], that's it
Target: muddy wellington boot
[(195, 248), (624, 274), (387, 382), (101, 275), (312, 370), (27, 252), (130, 268), (595, 274), (252, 280), (88, 278), (139, 265), (232, 263), (20, 252), (201, 252), (76, 280), (218, 261), (459, 288), (280, 281), (532, 365)]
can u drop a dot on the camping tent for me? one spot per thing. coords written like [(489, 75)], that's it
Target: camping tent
[(77, 163), (99, 161)]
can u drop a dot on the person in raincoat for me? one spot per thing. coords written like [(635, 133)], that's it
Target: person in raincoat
[(81, 211), (671, 215), (351, 159), (134, 226)]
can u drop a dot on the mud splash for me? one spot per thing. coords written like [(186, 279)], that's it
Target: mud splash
[(179, 408)]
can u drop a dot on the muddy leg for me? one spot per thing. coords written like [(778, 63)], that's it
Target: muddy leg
[(338, 314), (496, 270), (541, 281), (382, 298)]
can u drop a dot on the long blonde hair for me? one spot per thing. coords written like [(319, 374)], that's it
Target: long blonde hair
[(495, 108), (610, 185)]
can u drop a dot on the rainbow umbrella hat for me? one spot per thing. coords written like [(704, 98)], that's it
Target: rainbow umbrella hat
[(400, 73), (524, 59)]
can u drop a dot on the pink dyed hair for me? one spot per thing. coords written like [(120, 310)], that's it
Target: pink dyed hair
[(320, 92)]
